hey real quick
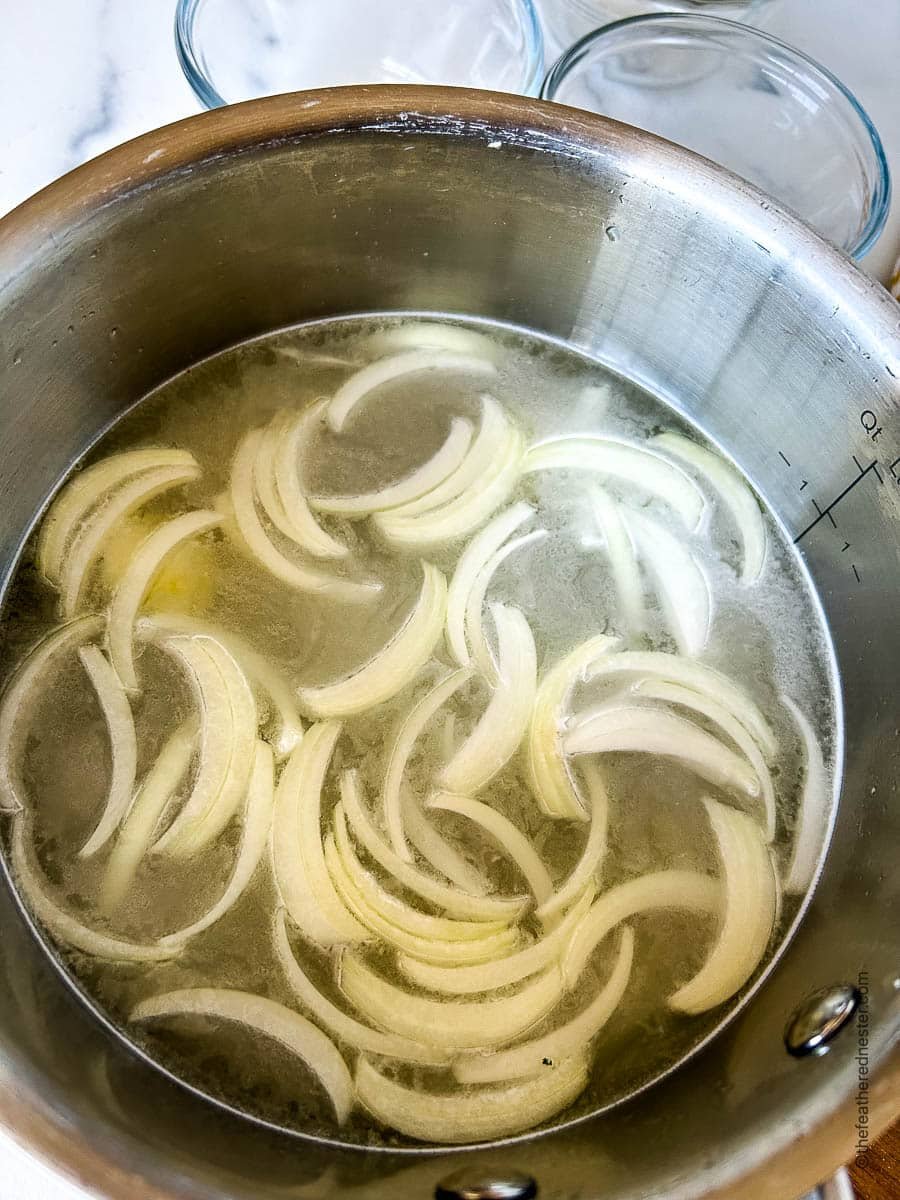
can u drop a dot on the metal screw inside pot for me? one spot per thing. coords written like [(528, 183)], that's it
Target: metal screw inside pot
[(471, 1184), (819, 1018)]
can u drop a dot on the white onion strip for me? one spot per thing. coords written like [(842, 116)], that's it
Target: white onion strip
[(288, 458), (687, 891), (18, 696), (454, 1024), (122, 744), (681, 585), (471, 1116), (635, 465), (344, 1027), (97, 526), (750, 890), (298, 858), (287, 1028), (478, 643), (508, 837), (500, 730), (646, 730), (136, 580), (622, 560), (257, 827), (809, 830), (418, 483), (548, 773), (86, 490), (586, 869), (413, 725), (436, 850), (450, 899), (556, 1045), (734, 494), (435, 335), (62, 925), (395, 665), (388, 370)]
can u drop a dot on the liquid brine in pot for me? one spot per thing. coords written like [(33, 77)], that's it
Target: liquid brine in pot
[(412, 732)]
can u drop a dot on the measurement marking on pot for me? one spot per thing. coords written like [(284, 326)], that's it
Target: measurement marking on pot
[(784, 456), (846, 546), (856, 573), (804, 484), (826, 512)]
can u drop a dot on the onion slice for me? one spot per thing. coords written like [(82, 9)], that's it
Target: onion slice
[(646, 730), (585, 870), (62, 925), (298, 857), (413, 725), (734, 493), (257, 826), (395, 665), (86, 490), (287, 1028), (418, 483), (471, 1116), (622, 559), (435, 335), (548, 773), (556, 1045), (122, 743), (688, 891), (386, 370), (681, 585), (344, 1027), (453, 1024), (500, 730), (478, 644), (635, 465), (136, 581), (288, 456), (810, 828), (436, 850), (20, 691), (750, 889)]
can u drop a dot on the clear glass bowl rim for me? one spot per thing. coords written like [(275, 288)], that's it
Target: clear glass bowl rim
[(880, 203), (192, 63)]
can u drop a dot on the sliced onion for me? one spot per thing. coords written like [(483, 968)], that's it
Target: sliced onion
[(681, 585), (413, 725), (435, 335), (513, 968), (451, 899), (694, 675), (469, 1116), (645, 730), (387, 370), (136, 834), (257, 827), (87, 543), (20, 692), (136, 581), (810, 828), (556, 1045), (649, 472), (344, 1027), (289, 455), (463, 515), (548, 772), (86, 490), (289, 1029), (674, 693), (454, 1024), (734, 494), (436, 850), (750, 890), (478, 644), (418, 483), (688, 891), (395, 665), (490, 444), (122, 744), (622, 560), (298, 857), (585, 870), (62, 925), (259, 545), (500, 730), (501, 830)]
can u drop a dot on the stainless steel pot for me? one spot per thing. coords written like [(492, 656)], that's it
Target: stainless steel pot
[(682, 277)]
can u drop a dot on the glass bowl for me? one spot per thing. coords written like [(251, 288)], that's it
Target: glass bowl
[(233, 50), (748, 102), (568, 20)]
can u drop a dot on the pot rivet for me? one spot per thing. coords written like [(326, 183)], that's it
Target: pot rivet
[(819, 1018), (467, 1184)]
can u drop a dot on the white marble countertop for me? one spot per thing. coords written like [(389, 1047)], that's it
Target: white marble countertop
[(79, 76)]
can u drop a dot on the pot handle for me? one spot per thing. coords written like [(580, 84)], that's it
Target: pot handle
[(838, 1187)]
